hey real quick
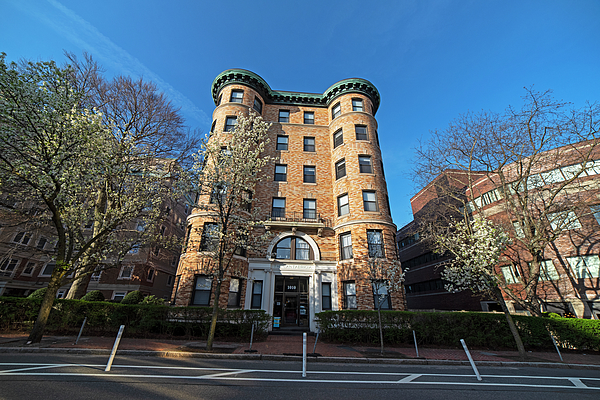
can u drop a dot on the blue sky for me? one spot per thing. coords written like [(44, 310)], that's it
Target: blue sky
[(430, 60)]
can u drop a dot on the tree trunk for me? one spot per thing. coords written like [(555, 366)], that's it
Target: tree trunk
[(80, 284), (511, 325), (213, 322), (42, 319)]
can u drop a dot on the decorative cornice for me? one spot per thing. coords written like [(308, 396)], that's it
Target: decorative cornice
[(248, 78)]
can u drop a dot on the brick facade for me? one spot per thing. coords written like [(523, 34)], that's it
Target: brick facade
[(321, 230)]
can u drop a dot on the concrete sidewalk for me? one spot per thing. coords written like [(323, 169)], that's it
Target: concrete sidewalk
[(290, 348)]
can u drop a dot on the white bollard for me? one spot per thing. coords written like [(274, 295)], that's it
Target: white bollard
[(114, 349), (416, 348), (470, 359), (80, 331), (556, 347), (304, 355)]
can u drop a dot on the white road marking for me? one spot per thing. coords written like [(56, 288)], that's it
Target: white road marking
[(241, 371), (577, 382), (409, 378), (226, 374)]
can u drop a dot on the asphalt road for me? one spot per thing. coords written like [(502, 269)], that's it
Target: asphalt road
[(60, 376)]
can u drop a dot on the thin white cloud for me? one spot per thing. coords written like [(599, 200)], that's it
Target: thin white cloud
[(87, 37)]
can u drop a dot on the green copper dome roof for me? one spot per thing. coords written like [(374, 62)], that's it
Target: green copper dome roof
[(248, 78)]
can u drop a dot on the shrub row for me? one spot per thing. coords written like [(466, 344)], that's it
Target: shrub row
[(484, 330), (104, 318)]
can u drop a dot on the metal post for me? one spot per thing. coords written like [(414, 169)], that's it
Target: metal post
[(556, 347), (416, 347), (304, 355), (316, 339), (251, 340), (470, 359), (81, 330), (114, 349)]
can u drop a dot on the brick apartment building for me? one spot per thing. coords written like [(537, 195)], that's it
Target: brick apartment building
[(27, 254), (324, 201), (569, 278)]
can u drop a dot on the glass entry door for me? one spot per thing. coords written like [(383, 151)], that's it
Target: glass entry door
[(291, 300)]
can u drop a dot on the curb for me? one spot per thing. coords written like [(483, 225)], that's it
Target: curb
[(276, 357)]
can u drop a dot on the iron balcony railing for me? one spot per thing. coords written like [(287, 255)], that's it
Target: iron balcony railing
[(307, 216)]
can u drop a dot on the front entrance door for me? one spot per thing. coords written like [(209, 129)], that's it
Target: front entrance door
[(291, 300)]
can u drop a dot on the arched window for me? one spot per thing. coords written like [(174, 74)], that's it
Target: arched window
[(293, 248)]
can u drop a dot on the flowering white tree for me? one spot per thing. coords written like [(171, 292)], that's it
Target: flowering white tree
[(476, 246), (386, 277), (228, 168)]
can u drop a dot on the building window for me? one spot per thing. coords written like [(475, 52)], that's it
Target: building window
[(135, 249), (218, 195), (509, 274), (8, 265), (280, 172), (548, 271), (564, 220), (349, 295), (230, 123), (340, 169), (336, 111), (282, 142), (364, 163), (309, 117), (234, 293), (309, 210), (242, 243), (369, 200), (246, 200), (338, 138), (236, 96), (118, 296), (380, 296), (202, 289), (310, 174), (22, 238), (169, 280), (284, 116), (256, 295), (27, 271), (346, 246), (41, 243), (150, 274), (357, 105), (325, 296), (213, 126), (126, 272), (96, 275), (309, 144), (585, 266), (210, 237), (257, 105), (48, 269), (219, 99), (375, 243), (596, 211), (278, 209), (361, 132), (343, 206), (292, 248)]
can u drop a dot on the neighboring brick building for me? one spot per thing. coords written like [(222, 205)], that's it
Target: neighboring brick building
[(27, 251), (324, 200), (570, 272)]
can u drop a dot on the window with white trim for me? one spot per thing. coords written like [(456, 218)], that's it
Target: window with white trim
[(349, 295), (336, 111), (22, 238), (202, 290), (564, 220), (364, 164), (345, 246), (585, 266), (118, 296), (548, 271), (126, 272), (343, 205), (282, 142), (48, 269), (370, 200), (357, 105), (7, 266), (509, 274), (150, 275), (361, 132), (29, 268)]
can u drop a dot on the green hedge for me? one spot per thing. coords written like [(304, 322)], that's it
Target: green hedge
[(484, 330), (104, 318)]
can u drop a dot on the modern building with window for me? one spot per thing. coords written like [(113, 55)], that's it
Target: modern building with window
[(324, 201), (563, 193)]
